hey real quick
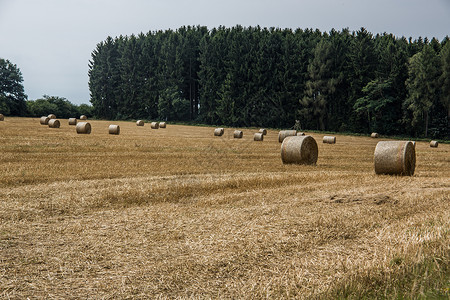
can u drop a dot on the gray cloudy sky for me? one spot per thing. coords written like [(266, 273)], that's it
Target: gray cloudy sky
[(51, 40)]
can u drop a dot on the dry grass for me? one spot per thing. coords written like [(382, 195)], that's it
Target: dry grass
[(180, 213)]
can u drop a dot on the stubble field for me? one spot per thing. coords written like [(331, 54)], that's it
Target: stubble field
[(179, 213)]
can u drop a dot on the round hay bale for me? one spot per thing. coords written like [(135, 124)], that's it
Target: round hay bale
[(83, 128), (434, 144), (114, 129), (44, 120), (301, 150), (329, 139), (139, 123), (414, 143), (162, 124), (395, 158), (263, 131), (219, 131), (238, 134), (301, 134), (285, 133), (83, 117), (374, 135), (154, 125), (72, 121), (51, 116), (259, 136), (54, 123), (2, 117)]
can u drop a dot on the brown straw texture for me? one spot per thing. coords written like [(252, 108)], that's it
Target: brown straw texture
[(44, 120), (263, 131), (83, 117), (218, 131), (301, 150), (154, 125), (374, 135), (73, 121), (237, 134), (162, 124), (395, 158), (2, 117), (51, 116), (329, 139), (285, 133), (54, 123), (114, 129), (259, 136), (83, 128), (434, 144)]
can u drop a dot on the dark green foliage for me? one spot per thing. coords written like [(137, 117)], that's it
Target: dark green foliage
[(271, 77), (59, 106), (12, 95)]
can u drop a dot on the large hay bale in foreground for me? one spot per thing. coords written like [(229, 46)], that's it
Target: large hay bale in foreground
[(329, 139), (154, 125), (83, 117), (259, 136), (2, 117), (51, 116), (218, 131), (114, 129), (44, 120), (434, 144), (374, 135), (263, 131), (72, 121), (395, 158), (162, 124), (285, 133), (238, 134), (54, 123), (139, 123), (301, 150), (83, 128)]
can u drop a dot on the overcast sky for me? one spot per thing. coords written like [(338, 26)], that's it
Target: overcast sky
[(51, 40)]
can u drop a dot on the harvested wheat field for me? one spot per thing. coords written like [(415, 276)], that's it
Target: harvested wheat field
[(179, 213)]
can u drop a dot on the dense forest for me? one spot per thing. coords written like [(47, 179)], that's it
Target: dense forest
[(337, 81)]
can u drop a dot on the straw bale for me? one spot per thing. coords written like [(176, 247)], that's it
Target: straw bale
[(154, 125), (83, 117), (72, 121), (218, 131), (259, 136), (162, 124), (285, 133), (434, 144), (140, 123), (114, 129), (44, 120), (54, 123), (83, 128), (238, 134), (329, 139), (374, 135), (2, 117), (301, 134), (301, 150), (263, 131), (395, 158)]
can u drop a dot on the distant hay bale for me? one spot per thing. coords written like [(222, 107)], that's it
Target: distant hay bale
[(83, 128), (114, 129), (218, 131), (139, 123), (395, 158), (72, 121), (301, 134), (329, 139), (2, 117), (434, 144), (162, 124), (54, 123), (259, 136), (301, 150), (285, 133), (374, 135), (263, 131), (51, 116), (237, 134), (44, 120), (154, 125), (83, 117)]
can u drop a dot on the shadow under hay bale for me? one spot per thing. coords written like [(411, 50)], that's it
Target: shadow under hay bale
[(329, 139), (259, 136), (218, 131), (114, 129), (44, 120), (395, 158), (285, 133), (72, 121), (301, 150), (54, 123), (83, 128), (238, 134)]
